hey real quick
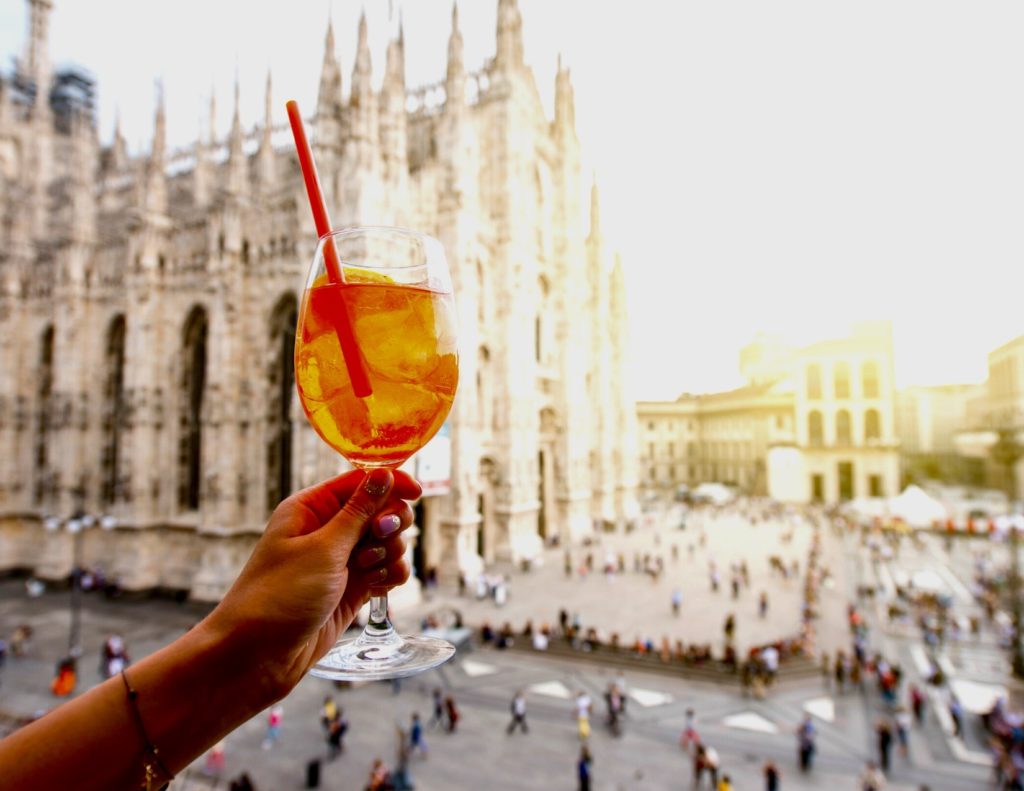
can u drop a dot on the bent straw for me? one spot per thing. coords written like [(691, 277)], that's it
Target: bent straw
[(350, 351)]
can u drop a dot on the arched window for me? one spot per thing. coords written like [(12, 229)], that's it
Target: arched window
[(113, 415), (193, 385), (813, 381), (843, 434), (280, 386), (872, 425), (815, 434), (841, 380), (869, 379), (44, 405)]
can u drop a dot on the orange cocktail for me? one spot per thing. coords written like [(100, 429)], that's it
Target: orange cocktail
[(406, 333)]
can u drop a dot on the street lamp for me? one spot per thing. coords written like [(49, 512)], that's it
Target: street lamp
[(76, 526)]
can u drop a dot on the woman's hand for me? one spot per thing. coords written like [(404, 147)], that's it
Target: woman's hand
[(323, 550)]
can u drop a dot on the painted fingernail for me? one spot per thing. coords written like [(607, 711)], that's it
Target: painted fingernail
[(372, 556), (382, 575), (387, 525), (377, 483)]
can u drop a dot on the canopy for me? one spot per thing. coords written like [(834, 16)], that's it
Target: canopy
[(917, 508)]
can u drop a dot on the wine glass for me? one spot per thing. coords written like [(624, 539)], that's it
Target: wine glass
[(389, 290)]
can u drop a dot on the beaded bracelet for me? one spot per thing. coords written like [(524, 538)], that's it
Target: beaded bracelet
[(152, 763)]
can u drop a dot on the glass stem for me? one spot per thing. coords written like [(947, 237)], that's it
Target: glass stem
[(378, 623)]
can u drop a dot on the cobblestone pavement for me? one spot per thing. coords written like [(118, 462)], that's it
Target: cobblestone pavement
[(480, 755)]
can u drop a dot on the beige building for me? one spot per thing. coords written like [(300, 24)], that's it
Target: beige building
[(813, 423), (148, 308), (929, 419)]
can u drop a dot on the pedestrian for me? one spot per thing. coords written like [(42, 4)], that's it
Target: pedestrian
[(438, 699), (884, 732), (677, 600), (215, 760), (242, 783), (711, 762), (380, 777), (417, 743), (805, 743), (689, 735), (725, 784), (328, 714), (917, 703), (518, 713), (871, 779), (273, 727), (700, 764), (452, 713), (401, 777), (762, 604), (729, 627), (771, 777), (956, 713), (903, 730), (583, 707), (583, 768), (336, 734), (840, 672)]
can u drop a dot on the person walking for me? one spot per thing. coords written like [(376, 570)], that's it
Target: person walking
[(711, 763), (903, 730), (884, 732), (518, 713), (583, 768), (452, 714), (771, 776), (725, 784), (689, 734), (762, 604), (917, 703), (417, 743), (677, 600), (336, 734), (805, 743), (437, 719), (871, 779), (273, 727), (328, 713), (956, 712)]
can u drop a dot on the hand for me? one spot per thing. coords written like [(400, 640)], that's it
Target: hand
[(313, 568)]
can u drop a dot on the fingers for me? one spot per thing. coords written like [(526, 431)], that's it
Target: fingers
[(378, 555), (406, 486), (394, 517), (378, 579), (346, 528), (325, 499)]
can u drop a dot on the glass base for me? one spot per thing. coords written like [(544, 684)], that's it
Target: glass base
[(386, 654)]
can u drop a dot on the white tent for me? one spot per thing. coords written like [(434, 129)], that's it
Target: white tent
[(917, 508)]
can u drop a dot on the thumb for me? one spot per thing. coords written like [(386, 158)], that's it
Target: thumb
[(347, 526)]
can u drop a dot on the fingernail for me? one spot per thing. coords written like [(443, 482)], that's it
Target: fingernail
[(372, 556), (377, 483), (387, 525), (383, 575)]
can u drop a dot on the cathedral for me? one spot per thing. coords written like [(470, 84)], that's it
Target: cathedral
[(148, 415)]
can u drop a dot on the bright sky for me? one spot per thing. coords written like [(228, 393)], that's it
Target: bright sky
[(786, 166)]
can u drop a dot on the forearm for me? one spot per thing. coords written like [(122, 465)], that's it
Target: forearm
[(190, 694)]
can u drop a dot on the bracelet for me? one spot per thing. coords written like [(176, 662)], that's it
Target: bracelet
[(151, 761)]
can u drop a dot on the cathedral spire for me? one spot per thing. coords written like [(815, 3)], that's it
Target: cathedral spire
[(159, 148), (156, 180), (236, 156), (565, 100), (212, 130), (265, 164), (329, 95), (362, 70), (455, 80), (118, 147), (35, 62), (510, 35), (595, 210)]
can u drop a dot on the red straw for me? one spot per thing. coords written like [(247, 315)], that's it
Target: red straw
[(346, 336)]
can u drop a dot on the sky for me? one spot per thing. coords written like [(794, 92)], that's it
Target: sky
[(789, 167)]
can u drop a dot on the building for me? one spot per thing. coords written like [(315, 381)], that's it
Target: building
[(811, 424), (148, 308), (928, 420)]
